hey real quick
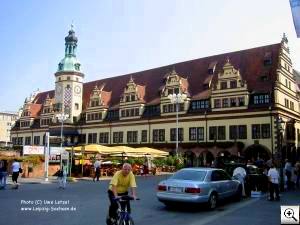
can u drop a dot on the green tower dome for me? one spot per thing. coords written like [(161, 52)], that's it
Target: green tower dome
[(70, 63)]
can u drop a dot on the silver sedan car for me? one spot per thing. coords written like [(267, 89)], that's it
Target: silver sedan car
[(199, 185)]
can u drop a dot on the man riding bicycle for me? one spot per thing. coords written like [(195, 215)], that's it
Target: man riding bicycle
[(119, 185)]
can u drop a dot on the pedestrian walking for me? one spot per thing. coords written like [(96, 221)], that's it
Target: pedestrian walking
[(16, 169), (288, 172), (273, 183), (240, 174), (97, 170), (62, 176), (3, 174)]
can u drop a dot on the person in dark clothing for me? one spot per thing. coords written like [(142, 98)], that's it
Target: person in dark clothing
[(3, 174)]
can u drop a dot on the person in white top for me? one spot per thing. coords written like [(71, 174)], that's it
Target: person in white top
[(15, 169), (97, 169), (273, 182), (240, 174)]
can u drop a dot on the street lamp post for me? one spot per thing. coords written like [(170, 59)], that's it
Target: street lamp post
[(177, 99), (279, 123), (61, 118)]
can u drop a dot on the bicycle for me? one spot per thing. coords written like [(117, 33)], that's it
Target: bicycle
[(123, 216)]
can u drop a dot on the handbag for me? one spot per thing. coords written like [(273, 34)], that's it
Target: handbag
[(20, 170)]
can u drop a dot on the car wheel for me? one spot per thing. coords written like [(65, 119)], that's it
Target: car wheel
[(212, 201)]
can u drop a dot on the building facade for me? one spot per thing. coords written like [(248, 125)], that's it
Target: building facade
[(239, 103), (7, 121)]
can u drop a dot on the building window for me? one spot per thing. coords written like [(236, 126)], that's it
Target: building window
[(118, 137), (155, 135), (25, 123), (20, 141), (233, 132), (14, 140), (261, 99), (158, 135), (132, 136), (36, 140), (233, 84), (233, 102), (92, 138), (127, 98), (212, 133), (225, 102), (265, 131), (223, 85), (103, 138), (200, 104), (242, 131), (196, 133), (291, 105), (286, 103), (193, 134), (95, 103), (217, 103), (173, 134), (241, 101), (237, 132), (221, 133), (27, 140), (217, 133), (94, 116), (144, 136), (255, 131)]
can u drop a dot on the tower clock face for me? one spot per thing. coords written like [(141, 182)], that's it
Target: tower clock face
[(77, 89)]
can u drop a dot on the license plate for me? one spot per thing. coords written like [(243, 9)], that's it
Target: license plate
[(175, 189)]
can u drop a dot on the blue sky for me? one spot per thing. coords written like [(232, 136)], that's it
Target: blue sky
[(118, 37)]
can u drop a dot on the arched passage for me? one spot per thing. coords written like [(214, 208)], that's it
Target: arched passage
[(206, 158), (257, 151), (190, 159)]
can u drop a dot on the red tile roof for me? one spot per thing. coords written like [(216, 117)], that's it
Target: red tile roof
[(249, 62)]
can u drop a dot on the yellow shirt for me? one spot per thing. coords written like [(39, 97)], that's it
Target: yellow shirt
[(121, 182)]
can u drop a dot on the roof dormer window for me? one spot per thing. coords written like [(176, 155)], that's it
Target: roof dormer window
[(211, 68), (268, 59), (233, 84), (223, 85)]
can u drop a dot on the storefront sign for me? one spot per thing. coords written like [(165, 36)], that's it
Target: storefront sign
[(33, 150)]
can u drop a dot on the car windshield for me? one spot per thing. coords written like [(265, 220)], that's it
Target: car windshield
[(189, 175)]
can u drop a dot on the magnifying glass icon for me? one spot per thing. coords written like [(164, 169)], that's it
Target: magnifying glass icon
[(290, 214)]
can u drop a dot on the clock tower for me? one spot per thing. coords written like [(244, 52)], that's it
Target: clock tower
[(69, 80)]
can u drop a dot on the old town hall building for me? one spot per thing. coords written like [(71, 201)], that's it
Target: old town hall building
[(240, 103)]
